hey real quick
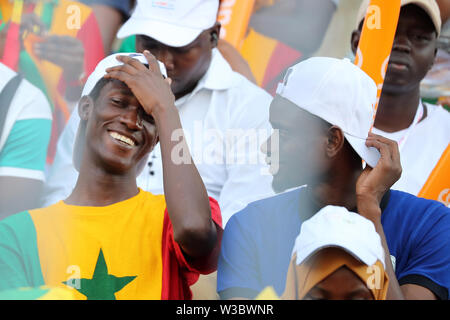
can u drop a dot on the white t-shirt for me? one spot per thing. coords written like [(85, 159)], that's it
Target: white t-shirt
[(225, 115), (422, 149), (26, 131)]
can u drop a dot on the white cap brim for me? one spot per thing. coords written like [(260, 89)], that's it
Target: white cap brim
[(367, 257), (168, 34), (369, 155)]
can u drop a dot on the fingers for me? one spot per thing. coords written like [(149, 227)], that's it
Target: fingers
[(132, 62), (119, 75), (63, 48), (124, 68), (152, 62), (390, 155), (393, 146)]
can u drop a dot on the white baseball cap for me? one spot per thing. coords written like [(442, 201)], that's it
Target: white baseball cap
[(338, 92), (175, 23), (335, 226), (429, 6), (94, 77)]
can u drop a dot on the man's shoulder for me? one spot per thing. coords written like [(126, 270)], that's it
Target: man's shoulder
[(232, 82), (268, 208), (153, 199), (27, 97), (438, 117), (16, 226), (408, 206)]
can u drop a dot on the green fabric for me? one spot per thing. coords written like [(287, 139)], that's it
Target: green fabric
[(23, 294), (19, 257), (434, 101), (128, 44), (102, 286), (47, 13), (27, 143), (2, 25), (30, 72)]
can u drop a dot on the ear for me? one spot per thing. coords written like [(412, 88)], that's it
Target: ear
[(354, 42), (85, 107), (215, 33), (335, 141)]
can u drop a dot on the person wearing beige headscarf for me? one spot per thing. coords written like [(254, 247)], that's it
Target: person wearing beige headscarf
[(337, 256)]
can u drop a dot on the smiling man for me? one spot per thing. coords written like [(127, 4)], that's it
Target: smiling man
[(420, 129), (220, 110), (109, 239)]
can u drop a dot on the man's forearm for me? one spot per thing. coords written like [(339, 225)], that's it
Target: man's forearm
[(371, 210), (186, 196)]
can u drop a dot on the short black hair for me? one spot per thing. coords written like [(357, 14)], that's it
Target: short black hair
[(95, 93)]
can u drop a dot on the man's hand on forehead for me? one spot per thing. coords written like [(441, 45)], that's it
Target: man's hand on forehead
[(147, 84)]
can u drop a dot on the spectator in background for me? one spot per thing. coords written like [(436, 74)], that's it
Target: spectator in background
[(338, 255), (401, 115), (25, 125), (111, 14), (58, 47), (323, 112), (435, 88)]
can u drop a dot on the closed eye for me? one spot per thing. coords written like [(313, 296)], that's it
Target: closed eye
[(117, 102)]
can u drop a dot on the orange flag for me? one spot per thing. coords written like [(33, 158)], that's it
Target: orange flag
[(437, 186), (234, 16), (377, 38)]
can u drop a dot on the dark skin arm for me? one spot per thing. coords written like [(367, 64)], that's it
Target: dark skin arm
[(186, 197), (18, 194), (370, 188)]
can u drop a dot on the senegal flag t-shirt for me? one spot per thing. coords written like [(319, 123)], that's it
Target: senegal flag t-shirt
[(122, 251)]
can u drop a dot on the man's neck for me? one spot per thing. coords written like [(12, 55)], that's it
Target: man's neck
[(99, 188), (397, 112), (340, 190)]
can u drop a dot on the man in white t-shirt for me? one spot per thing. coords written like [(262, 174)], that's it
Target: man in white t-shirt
[(24, 136), (421, 130), (225, 117)]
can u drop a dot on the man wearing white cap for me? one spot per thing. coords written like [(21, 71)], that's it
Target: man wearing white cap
[(323, 111), (225, 117), (110, 239), (422, 130)]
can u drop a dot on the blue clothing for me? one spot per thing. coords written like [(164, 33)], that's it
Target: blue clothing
[(258, 241)]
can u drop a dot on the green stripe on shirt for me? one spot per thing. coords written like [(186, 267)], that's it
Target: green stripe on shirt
[(19, 256), (27, 143)]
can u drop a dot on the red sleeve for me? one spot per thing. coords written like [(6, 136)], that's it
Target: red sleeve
[(90, 36), (178, 274)]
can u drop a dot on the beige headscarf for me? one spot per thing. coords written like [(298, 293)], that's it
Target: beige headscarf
[(302, 278)]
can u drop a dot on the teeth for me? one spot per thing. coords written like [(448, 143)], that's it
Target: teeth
[(122, 138)]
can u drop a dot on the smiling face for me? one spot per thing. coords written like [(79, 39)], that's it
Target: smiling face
[(118, 131), (185, 65), (342, 284), (300, 149)]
